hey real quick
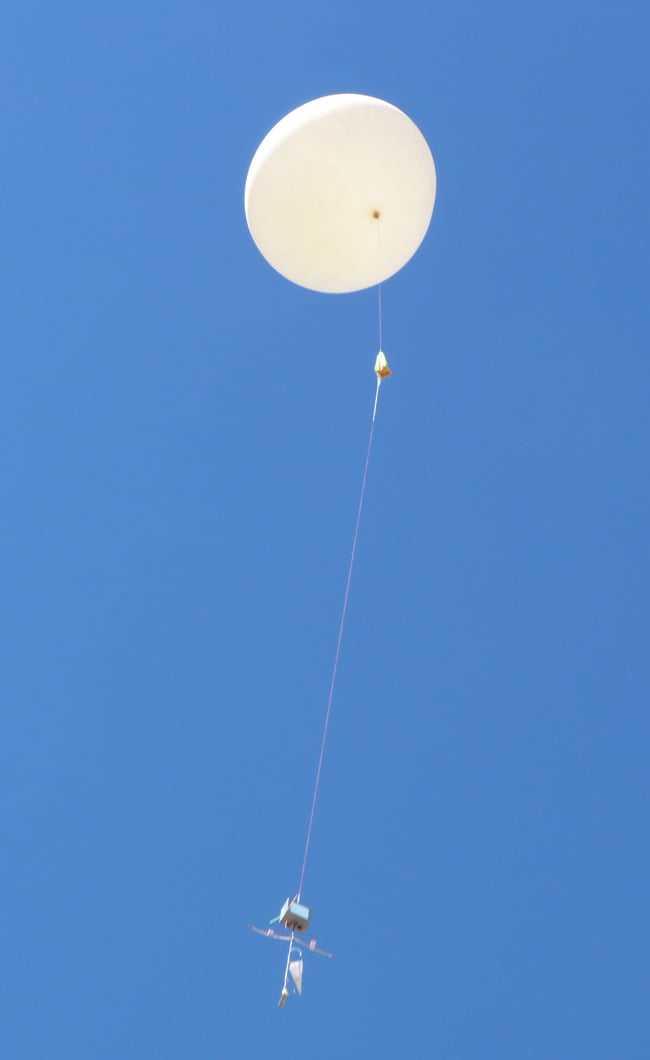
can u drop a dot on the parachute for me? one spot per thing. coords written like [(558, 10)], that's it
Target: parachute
[(382, 371)]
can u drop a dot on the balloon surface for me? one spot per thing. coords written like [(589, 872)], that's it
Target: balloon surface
[(339, 194)]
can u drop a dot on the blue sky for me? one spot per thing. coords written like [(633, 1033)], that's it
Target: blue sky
[(182, 436)]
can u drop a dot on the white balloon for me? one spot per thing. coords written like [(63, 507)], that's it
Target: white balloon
[(340, 193)]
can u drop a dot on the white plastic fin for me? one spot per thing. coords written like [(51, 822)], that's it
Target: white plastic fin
[(295, 967)]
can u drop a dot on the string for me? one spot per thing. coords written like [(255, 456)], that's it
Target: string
[(338, 644)]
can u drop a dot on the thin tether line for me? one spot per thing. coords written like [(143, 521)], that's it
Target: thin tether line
[(338, 644)]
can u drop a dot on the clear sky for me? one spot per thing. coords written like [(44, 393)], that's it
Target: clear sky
[(182, 436)]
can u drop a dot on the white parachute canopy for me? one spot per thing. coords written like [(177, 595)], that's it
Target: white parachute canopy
[(340, 193)]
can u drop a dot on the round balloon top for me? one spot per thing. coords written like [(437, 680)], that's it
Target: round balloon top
[(340, 193)]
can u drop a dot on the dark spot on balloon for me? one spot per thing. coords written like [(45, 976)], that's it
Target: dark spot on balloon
[(376, 215)]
